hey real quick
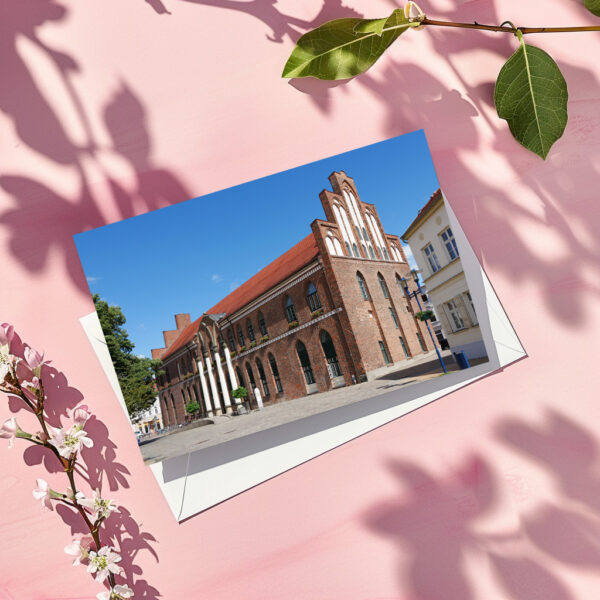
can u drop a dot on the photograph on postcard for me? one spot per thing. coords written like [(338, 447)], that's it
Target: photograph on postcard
[(261, 309)]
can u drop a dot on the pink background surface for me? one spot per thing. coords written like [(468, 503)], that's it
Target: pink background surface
[(109, 109)]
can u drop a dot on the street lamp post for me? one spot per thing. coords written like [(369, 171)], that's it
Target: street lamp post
[(416, 295)]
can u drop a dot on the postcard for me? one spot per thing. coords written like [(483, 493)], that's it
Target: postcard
[(252, 329)]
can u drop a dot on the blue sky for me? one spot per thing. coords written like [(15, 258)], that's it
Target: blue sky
[(186, 257)]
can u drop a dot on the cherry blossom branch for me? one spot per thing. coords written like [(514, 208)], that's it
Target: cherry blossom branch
[(21, 377)]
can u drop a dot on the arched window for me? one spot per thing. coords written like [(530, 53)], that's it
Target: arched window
[(250, 376), (312, 297), (338, 247), (231, 340), (262, 325), (355, 250), (262, 377), (371, 252), (385, 253), (290, 311), (348, 249), (363, 286), (275, 372), (365, 235), (174, 409), (305, 363), (241, 336), (329, 244), (240, 377), (333, 366), (384, 287), (250, 330)]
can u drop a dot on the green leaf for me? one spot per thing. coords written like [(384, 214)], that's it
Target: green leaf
[(593, 6), (531, 94), (371, 26), (344, 48)]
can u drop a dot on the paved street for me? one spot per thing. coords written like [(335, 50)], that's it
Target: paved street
[(226, 428)]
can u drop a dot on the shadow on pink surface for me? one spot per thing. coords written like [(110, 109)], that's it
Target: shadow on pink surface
[(414, 98), (282, 24), (99, 468), (438, 522), (40, 128)]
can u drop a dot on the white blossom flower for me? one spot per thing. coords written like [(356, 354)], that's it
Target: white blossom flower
[(103, 562), (80, 415), (101, 508), (68, 441), (34, 360), (42, 492), (79, 547), (120, 592), (9, 431)]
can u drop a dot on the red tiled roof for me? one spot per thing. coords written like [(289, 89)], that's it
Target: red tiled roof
[(288, 263), (423, 211), (282, 267)]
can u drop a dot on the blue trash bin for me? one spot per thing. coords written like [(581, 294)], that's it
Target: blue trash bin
[(461, 360)]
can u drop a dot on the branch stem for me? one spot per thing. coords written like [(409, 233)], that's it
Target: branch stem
[(507, 29)]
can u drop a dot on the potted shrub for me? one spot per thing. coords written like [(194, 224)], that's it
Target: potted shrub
[(425, 315), (251, 344), (292, 324), (264, 339), (192, 408), (316, 313), (240, 393)]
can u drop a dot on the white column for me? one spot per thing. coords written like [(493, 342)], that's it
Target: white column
[(232, 377), (213, 386), (205, 394), (258, 397), (223, 382)]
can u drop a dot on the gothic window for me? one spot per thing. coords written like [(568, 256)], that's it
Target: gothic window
[(261, 323), (305, 363), (384, 353), (250, 329), (312, 297), (290, 311), (394, 316), (363, 286), (275, 372), (333, 365), (241, 336), (231, 340), (263, 379), (384, 287)]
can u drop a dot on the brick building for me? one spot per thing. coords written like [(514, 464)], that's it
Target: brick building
[(327, 313)]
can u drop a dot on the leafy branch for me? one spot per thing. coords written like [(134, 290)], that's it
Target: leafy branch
[(530, 94)]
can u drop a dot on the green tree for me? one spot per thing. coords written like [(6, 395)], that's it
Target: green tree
[(192, 408), (135, 373)]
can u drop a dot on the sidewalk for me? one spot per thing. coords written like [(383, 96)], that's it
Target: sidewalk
[(227, 428)]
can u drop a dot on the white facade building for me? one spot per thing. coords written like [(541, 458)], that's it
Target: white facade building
[(150, 420), (437, 255)]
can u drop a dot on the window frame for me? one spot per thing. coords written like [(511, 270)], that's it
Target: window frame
[(434, 265), (450, 245)]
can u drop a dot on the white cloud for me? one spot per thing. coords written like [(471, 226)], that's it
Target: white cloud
[(92, 279), (409, 257), (233, 285), (216, 278)]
